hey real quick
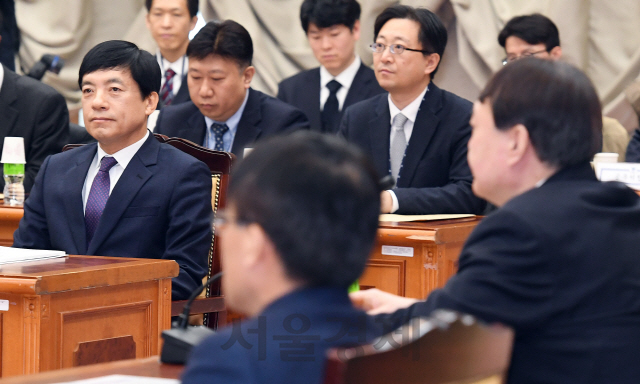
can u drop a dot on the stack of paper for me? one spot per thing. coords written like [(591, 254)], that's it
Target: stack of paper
[(18, 255)]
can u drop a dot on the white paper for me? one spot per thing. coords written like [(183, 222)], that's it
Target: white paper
[(17, 255), (4, 305), (403, 218), (124, 379), (628, 173), (393, 250)]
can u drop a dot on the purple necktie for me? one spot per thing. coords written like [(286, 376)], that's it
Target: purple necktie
[(166, 93), (98, 197)]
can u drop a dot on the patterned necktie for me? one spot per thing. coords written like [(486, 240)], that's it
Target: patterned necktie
[(218, 131), (331, 112), (98, 197), (398, 145), (166, 93)]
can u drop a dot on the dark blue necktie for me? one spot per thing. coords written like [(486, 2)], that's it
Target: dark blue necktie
[(98, 197), (218, 131), (331, 111)]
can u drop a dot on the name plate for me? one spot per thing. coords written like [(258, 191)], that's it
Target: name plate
[(393, 250), (628, 173)]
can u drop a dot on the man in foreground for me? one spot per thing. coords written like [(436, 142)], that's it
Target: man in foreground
[(226, 114), (291, 246), (416, 132), (558, 260), (127, 195), (332, 28), (536, 35)]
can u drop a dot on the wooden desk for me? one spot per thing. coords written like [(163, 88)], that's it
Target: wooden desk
[(9, 220), (412, 259), (148, 367), (81, 310)]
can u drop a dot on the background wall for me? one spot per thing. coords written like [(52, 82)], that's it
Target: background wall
[(601, 37)]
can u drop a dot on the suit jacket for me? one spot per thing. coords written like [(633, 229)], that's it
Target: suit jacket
[(160, 208), (303, 92), (633, 149), (36, 112), (559, 264), (435, 176), (286, 343), (181, 97), (262, 117)]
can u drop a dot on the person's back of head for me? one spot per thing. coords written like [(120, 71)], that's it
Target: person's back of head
[(125, 56), (557, 104), (317, 198)]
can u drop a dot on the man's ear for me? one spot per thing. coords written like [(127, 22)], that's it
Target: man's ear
[(247, 76), (556, 53), (355, 31), (257, 246), (519, 143), (432, 63), (151, 103)]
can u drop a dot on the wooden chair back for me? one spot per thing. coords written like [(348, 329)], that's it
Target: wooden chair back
[(445, 348)]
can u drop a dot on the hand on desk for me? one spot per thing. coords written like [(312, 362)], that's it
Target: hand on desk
[(375, 301), (386, 202)]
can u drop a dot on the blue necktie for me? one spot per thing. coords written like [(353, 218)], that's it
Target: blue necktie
[(98, 197), (218, 131)]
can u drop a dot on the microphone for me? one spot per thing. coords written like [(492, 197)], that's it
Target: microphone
[(179, 341), (47, 63)]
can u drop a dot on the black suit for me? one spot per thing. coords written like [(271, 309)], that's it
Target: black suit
[(434, 177), (560, 265), (633, 149), (263, 116), (303, 92), (181, 97), (36, 112)]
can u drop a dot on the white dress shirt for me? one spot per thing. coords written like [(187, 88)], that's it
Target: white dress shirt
[(123, 157), (1, 76), (410, 112), (345, 78)]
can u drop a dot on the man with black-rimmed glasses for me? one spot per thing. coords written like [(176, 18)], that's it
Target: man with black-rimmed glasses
[(416, 132)]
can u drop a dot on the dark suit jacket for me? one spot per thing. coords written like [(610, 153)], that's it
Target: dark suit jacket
[(36, 112), (303, 92), (434, 177), (560, 265), (633, 149), (160, 208), (286, 343), (263, 116), (181, 97)]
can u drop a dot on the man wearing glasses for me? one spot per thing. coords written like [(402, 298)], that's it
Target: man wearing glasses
[(416, 132), (536, 35)]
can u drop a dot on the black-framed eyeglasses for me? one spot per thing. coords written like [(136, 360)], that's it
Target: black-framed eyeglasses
[(222, 218), (396, 49), (511, 59)]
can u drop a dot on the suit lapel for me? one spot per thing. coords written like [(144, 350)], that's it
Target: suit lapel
[(311, 97), (248, 130), (357, 86), (9, 114), (73, 180), (379, 131), (423, 129), (195, 129), (183, 92), (133, 178)]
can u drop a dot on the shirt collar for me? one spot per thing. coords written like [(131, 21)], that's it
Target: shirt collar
[(1, 75), (124, 156), (233, 121), (345, 78), (179, 66), (411, 110)]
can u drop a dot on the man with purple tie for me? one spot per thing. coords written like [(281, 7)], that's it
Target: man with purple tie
[(126, 195)]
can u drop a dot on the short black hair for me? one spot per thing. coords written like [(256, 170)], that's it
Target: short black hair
[(226, 39), (327, 13), (192, 6), (534, 29), (432, 35), (557, 104), (119, 54), (317, 199)]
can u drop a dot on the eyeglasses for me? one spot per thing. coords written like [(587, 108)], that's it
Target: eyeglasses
[(396, 49), (222, 218), (511, 59)]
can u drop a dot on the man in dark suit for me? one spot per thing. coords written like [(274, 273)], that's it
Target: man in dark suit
[(127, 195), (225, 114), (289, 278), (332, 28), (170, 22), (34, 111), (558, 261), (417, 132)]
